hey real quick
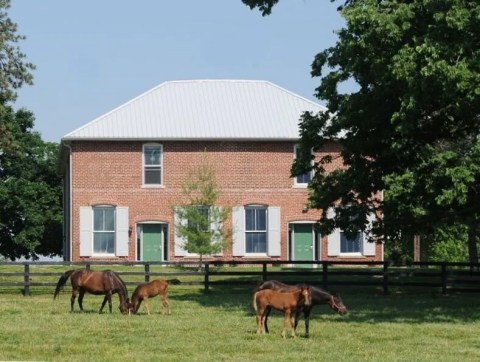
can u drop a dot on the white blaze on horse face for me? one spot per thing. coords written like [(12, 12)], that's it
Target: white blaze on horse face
[(308, 297)]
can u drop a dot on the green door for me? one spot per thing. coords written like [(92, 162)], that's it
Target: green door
[(303, 243), (152, 241)]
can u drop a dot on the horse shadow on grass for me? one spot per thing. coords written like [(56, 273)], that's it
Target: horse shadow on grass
[(363, 307)]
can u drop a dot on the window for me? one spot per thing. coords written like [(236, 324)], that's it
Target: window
[(302, 180), (152, 164), (104, 230), (350, 246), (255, 229), (199, 218)]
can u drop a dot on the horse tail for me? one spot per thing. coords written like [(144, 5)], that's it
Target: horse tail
[(255, 301), (61, 282), (173, 281)]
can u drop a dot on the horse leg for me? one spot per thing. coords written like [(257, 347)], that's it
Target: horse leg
[(260, 321), (166, 303), (80, 299), (72, 299), (110, 301), (267, 313), (306, 314), (145, 303), (108, 298), (286, 321)]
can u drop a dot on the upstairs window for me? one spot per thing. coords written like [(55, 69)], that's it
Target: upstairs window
[(302, 180), (152, 164)]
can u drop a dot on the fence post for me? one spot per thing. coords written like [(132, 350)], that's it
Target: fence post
[(147, 272), (264, 272), (444, 278), (87, 266), (385, 277), (26, 280), (207, 281), (325, 275)]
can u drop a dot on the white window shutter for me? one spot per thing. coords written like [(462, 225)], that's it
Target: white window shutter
[(369, 248), (215, 225), (86, 231), (274, 231), (334, 243), (179, 241), (121, 225), (238, 221)]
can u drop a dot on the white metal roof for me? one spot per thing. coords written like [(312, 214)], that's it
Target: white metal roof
[(203, 109)]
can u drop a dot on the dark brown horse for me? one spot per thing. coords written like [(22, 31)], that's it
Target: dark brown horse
[(150, 290), (288, 302), (95, 282), (319, 296)]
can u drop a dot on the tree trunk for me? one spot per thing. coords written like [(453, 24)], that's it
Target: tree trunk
[(472, 240)]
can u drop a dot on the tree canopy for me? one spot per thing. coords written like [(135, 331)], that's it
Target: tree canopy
[(410, 133), (30, 189)]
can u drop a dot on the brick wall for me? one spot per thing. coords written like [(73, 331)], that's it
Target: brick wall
[(246, 172)]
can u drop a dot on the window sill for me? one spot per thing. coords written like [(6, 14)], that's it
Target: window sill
[(300, 186), (153, 186), (352, 255)]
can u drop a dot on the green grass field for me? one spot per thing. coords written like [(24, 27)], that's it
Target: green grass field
[(220, 326)]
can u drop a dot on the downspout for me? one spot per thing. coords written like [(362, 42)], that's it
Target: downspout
[(70, 194)]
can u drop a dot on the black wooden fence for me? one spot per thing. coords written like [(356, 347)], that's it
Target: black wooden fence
[(444, 277)]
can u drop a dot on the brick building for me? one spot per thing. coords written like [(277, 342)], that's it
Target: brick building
[(124, 171)]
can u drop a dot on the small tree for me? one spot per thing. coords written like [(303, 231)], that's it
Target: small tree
[(200, 221)]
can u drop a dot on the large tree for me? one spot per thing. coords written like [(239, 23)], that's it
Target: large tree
[(30, 189), (200, 221), (410, 133)]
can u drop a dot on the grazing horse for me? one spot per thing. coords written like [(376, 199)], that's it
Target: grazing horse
[(288, 302), (319, 296), (150, 290), (95, 282)]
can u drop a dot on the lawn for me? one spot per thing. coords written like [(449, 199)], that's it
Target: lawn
[(220, 326)]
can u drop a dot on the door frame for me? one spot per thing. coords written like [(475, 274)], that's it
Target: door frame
[(139, 239), (316, 241)]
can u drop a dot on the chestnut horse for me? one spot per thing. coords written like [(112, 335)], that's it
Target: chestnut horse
[(95, 282), (150, 290), (288, 302), (319, 296)]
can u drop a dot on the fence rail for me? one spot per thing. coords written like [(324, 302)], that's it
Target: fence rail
[(446, 277)]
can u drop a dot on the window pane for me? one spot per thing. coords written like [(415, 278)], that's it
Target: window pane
[(261, 219), (153, 175), (249, 219), (152, 155), (256, 242), (104, 242), (350, 246), (103, 219), (304, 179)]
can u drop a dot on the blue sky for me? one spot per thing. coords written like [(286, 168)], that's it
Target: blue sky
[(94, 55)]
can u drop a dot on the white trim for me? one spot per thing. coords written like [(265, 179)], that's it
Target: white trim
[(152, 144), (300, 185), (121, 231), (238, 237), (86, 231)]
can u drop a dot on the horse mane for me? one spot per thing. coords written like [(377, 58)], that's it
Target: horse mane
[(119, 286)]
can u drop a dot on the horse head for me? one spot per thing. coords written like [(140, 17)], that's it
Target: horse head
[(125, 307), (337, 305), (306, 292)]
